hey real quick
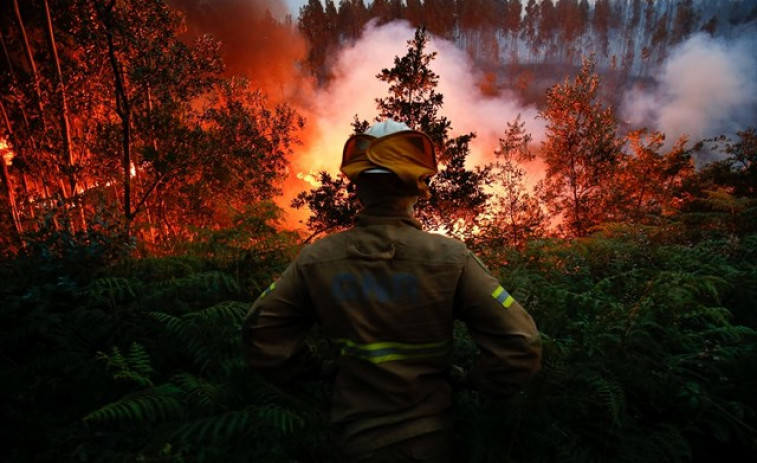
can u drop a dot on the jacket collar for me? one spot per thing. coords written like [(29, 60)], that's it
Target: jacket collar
[(394, 211)]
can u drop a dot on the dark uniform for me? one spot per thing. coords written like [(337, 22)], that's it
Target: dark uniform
[(388, 293)]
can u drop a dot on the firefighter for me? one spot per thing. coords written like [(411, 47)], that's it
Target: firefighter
[(387, 293)]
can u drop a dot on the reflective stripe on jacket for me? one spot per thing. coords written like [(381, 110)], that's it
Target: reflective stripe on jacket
[(389, 293)]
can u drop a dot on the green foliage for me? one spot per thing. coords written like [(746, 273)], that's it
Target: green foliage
[(643, 360), (333, 201), (134, 367), (649, 353), (140, 359), (140, 408), (412, 97)]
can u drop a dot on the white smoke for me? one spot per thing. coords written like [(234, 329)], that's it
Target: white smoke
[(355, 87), (707, 87)]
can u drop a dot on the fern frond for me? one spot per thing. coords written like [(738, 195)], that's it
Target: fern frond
[(708, 316), (219, 427), (110, 291), (158, 403), (173, 324), (282, 419), (161, 268), (208, 281), (139, 359), (134, 367), (230, 367), (200, 391), (226, 312), (611, 393), (189, 334), (267, 419)]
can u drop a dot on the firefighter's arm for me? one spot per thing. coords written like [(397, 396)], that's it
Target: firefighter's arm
[(507, 338), (275, 329)]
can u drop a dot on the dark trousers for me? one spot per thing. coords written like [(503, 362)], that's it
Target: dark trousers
[(433, 447)]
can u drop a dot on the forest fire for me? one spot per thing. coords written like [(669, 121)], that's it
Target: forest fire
[(310, 178), (353, 90), (6, 152), (275, 71), (164, 161)]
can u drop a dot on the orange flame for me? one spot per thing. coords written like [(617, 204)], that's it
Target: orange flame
[(309, 177), (6, 152)]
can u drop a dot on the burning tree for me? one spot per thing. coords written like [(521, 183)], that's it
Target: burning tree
[(111, 111), (723, 194), (517, 216), (649, 182), (581, 152), (457, 194)]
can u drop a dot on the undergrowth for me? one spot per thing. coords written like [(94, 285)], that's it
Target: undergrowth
[(649, 356)]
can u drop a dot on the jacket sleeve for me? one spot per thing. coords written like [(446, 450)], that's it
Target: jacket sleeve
[(507, 338), (274, 331)]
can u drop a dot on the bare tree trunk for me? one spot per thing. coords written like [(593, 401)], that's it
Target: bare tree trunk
[(12, 204), (64, 121), (29, 137), (7, 57), (15, 98), (13, 79), (6, 179), (123, 110), (29, 57), (27, 189), (153, 224)]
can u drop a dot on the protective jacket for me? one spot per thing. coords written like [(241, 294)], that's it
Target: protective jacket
[(388, 293)]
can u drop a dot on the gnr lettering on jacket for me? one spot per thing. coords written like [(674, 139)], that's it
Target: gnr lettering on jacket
[(396, 287)]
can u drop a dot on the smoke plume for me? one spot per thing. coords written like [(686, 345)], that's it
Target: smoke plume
[(355, 87), (255, 43), (706, 87), (268, 52)]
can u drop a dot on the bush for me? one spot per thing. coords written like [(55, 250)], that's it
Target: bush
[(649, 348)]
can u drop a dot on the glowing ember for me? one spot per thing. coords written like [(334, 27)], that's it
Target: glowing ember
[(457, 228), (310, 177), (6, 152)]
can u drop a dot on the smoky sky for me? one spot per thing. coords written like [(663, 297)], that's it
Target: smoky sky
[(255, 42), (706, 87)]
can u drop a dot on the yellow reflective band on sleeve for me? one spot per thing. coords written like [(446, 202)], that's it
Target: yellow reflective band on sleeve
[(267, 290), (503, 297), (380, 352)]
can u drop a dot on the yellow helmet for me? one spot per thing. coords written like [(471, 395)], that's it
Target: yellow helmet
[(394, 147)]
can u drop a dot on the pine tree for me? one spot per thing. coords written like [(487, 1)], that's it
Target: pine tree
[(457, 194), (413, 98)]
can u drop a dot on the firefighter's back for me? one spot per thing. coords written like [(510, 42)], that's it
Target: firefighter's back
[(385, 291)]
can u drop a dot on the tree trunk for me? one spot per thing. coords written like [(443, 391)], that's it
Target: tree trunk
[(7, 57), (29, 58), (64, 121), (32, 141), (6, 179), (123, 110)]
